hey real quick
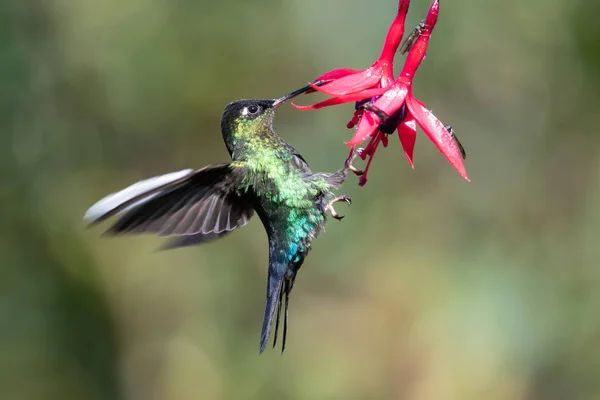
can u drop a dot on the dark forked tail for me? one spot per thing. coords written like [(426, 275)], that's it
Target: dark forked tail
[(279, 286), (287, 287), (274, 286)]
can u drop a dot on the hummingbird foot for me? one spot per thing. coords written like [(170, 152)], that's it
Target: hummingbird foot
[(334, 214), (463, 153), (348, 163), (355, 171)]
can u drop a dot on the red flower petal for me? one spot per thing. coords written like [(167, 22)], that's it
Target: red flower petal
[(355, 118), (365, 94), (407, 132), (334, 101), (336, 74), (419, 48), (367, 127), (332, 75), (395, 33), (362, 80), (369, 151), (432, 14), (389, 102), (384, 140), (437, 134)]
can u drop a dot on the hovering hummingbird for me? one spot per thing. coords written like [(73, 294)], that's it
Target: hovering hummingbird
[(266, 175)]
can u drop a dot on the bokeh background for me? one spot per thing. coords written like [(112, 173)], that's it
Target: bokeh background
[(431, 288)]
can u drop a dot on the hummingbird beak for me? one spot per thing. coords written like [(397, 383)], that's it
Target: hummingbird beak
[(295, 93)]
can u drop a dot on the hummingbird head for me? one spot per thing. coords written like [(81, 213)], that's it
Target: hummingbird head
[(245, 118)]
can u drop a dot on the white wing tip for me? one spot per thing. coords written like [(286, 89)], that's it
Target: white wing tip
[(114, 200)]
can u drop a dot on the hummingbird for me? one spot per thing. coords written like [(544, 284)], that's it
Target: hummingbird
[(266, 175)]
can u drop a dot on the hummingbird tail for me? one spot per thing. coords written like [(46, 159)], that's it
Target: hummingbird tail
[(286, 289), (278, 286), (273, 303)]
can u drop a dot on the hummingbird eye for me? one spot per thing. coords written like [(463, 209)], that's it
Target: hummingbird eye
[(252, 111)]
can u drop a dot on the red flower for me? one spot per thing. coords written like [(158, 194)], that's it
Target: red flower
[(347, 85), (384, 106)]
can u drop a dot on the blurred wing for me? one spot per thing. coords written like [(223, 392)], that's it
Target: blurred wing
[(201, 204), (140, 192)]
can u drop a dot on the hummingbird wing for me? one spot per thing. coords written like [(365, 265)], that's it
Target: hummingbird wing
[(297, 161), (198, 205)]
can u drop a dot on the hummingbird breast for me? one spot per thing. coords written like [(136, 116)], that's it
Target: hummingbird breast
[(289, 205)]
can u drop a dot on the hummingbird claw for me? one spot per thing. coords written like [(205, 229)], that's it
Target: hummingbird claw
[(334, 214), (357, 172), (348, 163)]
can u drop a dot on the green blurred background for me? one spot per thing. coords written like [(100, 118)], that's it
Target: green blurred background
[(431, 288)]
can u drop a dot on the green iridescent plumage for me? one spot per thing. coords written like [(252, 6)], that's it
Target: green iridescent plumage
[(290, 200), (266, 176)]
